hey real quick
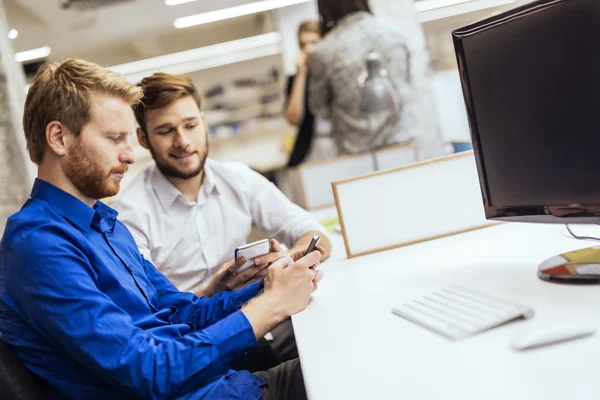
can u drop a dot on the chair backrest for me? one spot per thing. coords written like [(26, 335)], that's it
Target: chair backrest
[(316, 177), (395, 156), (16, 383), (411, 204)]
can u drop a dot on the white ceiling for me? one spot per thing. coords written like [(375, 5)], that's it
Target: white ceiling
[(140, 29), (44, 23)]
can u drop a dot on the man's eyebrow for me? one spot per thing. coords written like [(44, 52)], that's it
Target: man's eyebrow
[(162, 126), (117, 133), (169, 124)]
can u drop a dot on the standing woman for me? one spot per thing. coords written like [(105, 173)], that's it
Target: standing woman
[(313, 141), (350, 33)]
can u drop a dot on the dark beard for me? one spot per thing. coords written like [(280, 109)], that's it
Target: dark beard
[(89, 177), (172, 172)]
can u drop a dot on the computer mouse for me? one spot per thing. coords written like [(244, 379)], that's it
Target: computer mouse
[(548, 336)]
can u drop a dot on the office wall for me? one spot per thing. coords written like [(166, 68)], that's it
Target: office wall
[(16, 171), (287, 20)]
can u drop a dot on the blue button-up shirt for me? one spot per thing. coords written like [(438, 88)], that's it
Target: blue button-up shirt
[(91, 318)]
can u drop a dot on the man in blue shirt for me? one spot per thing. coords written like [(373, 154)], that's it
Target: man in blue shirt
[(82, 308)]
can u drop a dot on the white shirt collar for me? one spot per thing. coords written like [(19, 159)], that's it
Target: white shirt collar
[(167, 193)]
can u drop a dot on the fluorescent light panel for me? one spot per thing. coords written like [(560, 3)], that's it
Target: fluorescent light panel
[(233, 12), (176, 2), (426, 5), (32, 54), (439, 9), (204, 57)]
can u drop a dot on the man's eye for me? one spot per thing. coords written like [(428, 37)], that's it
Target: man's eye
[(165, 132), (116, 139), (192, 126)]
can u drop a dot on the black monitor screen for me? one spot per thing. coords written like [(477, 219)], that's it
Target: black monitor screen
[(532, 86)]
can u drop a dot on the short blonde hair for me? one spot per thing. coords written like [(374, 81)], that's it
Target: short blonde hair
[(64, 92)]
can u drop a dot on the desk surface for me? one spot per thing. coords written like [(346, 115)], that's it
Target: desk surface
[(352, 347)]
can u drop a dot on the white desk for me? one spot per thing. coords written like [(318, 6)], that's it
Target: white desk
[(352, 347)]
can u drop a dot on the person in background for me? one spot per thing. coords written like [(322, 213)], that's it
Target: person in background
[(313, 140), (297, 111), (188, 213), (350, 33), (86, 313)]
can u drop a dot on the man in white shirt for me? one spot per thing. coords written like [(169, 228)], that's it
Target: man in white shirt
[(188, 213)]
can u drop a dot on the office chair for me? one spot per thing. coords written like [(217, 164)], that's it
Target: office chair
[(16, 382)]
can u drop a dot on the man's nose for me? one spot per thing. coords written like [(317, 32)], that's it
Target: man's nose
[(127, 156), (181, 139)]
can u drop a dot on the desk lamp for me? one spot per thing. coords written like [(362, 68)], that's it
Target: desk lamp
[(378, 101)]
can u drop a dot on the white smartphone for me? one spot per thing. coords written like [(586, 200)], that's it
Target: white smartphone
[(251, 251)]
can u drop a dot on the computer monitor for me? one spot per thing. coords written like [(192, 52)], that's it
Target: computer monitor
[(531, 84)]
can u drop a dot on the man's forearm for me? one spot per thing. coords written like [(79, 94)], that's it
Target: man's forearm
[(263, 315), (203, 311), (304, 241)]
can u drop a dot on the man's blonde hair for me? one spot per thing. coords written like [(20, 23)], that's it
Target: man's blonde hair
[(64, 92)]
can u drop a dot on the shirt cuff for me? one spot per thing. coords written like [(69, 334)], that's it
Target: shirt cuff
[(309, 226), (244, 295), (232, 336)]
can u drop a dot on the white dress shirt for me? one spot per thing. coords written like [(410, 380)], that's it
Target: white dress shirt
[(189, 241)]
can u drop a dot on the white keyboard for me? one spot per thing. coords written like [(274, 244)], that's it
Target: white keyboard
[(457, 312)]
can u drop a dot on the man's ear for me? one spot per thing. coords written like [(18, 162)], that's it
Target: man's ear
[(55, 137), (142, 138)]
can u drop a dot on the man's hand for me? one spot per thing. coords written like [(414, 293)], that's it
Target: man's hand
[(275, 253), (226, 277), (296, 258), (287, 291)]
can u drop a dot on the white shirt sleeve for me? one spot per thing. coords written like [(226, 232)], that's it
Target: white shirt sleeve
[(273, 212)]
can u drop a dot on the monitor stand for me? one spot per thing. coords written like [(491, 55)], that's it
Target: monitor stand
[(579, 267)]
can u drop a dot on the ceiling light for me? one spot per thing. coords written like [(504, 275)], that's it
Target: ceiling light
[(13, 33), (184, 62), (426, 5), (233, 12), (32, 54), (431, 10), (176, 2)]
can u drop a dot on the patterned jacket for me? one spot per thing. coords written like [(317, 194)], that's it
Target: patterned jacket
[(336, 65)]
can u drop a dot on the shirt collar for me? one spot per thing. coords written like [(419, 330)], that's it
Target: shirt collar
[(83, 216), (104, 217), (210, 183), (167, 193)]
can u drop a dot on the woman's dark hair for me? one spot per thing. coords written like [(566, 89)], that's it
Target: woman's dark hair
[(332, 11)]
